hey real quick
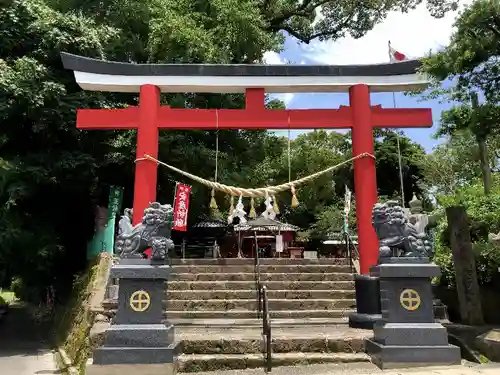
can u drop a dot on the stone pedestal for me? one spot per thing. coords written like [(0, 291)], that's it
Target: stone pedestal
[(367, 302), (137, 337), (407, 334)]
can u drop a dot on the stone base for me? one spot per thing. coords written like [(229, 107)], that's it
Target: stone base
[(410, 334), (367, 302), (363, 321), (140, 335), (149, 369), (108, 355), (391, 356)]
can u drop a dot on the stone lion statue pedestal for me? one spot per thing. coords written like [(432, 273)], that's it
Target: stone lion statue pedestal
[(407, 334), (138, 341)]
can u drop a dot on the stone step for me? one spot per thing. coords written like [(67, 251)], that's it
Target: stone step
[(208, 344), (212, 362), (256, 322), (246, 314), (296, 268), (247, 308), (252, 294), (290, 277), (250, 304), (271, 285), (251, 261)]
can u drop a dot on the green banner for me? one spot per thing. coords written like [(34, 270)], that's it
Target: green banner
[(104, 238), (115, 201), (114, 207)]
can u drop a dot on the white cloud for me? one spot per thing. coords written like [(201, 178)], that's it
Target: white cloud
[(414, 34), (273, 58)]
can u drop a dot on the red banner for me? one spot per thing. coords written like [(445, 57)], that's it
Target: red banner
[(181, 207)]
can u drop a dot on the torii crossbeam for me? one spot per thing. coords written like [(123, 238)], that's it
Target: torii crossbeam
[(254, 80)]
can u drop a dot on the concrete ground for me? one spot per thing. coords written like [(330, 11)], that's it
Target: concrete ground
[(365, 369), (24, 348)]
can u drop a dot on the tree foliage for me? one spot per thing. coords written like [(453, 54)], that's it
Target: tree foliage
[(322, 19), (48, 167), (471, 58), (455, 162), (471, 62), (179, 20)]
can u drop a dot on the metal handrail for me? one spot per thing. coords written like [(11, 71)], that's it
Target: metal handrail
[(258, 285), (352, 250), (266, 329)]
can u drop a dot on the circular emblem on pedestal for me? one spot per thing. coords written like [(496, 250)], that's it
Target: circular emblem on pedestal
[(139, 301), (409, 299)]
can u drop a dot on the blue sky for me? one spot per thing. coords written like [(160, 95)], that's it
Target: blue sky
[(414, 34)]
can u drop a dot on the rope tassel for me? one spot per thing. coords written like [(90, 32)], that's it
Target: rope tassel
[(213, 202), (295, 201), (252, 213), (275, 205), (231, 207)]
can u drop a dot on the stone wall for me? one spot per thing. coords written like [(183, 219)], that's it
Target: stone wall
[(490, 299)]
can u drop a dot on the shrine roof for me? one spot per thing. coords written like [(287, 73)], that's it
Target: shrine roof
[(262, 224), (101, 75), (210, 224)]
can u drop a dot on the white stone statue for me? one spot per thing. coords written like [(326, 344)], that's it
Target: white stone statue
[(125, 223), (419, 219)]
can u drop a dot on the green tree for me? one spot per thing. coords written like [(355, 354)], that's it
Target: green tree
[(480, 121), (471, 62), (173, 21), (387, 162), (338, 18), (5, 3), (471, 58), (454, 163), (48, 168)]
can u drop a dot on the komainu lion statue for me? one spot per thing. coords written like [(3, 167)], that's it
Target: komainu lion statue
[(153, 232), (397, 237)]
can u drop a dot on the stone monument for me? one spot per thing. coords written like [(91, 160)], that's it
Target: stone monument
[(407, 334), (138, 339)]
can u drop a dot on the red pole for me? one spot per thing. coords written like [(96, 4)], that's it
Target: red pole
[(365, 179), (147, 143)]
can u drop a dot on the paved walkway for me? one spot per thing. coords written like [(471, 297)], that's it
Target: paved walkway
[(364, 369), (24, 348)]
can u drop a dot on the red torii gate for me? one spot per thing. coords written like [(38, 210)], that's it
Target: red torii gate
[(150, 116)]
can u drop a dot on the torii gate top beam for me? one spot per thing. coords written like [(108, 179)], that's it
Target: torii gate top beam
[(100, 75)]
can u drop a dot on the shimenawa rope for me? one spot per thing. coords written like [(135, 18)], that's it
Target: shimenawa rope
[(257, 192)]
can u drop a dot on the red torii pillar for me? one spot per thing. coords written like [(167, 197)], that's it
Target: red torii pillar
[(361, 117)]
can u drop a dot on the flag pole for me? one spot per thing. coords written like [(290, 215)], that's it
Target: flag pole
[(397, 141)]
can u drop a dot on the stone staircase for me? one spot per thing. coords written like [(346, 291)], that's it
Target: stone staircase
[(213, 304)]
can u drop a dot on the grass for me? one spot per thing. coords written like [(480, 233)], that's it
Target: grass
[(7, 296), (76, 318)]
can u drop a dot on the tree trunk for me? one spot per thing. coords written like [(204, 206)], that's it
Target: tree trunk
[(485, 164), (481, 143)]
